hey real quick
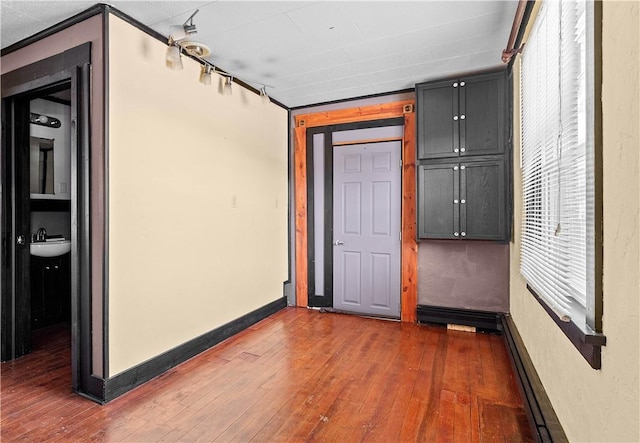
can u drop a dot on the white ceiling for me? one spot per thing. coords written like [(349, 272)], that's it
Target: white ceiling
[(313, 52)]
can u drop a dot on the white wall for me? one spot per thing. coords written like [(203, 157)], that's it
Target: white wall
[(598, 405), (197, 201)]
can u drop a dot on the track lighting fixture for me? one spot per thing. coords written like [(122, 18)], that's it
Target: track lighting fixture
[(205, 75), (174, 59), (226, 89), (264, 96), (178, 43), (188, 28)]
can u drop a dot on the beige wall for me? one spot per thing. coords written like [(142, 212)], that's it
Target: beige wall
[(598, 405), (197, 201)]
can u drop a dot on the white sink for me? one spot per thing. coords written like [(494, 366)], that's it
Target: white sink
[(50, 248)]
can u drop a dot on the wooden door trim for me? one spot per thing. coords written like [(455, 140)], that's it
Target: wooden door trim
[(409, 248)]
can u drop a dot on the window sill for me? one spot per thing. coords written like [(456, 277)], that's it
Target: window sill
[(588, 343)]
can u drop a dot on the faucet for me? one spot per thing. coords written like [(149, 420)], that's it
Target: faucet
[(41, 235)]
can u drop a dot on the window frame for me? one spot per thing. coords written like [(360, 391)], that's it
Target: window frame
[(588, 338)]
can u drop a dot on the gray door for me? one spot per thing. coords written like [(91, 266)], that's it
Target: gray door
[(366, 228)]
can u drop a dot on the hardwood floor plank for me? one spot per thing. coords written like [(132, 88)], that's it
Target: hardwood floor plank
[(299, 375)]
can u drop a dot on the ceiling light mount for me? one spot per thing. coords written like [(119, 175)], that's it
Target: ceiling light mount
[(189, 27), (264, 96), (195, 49)]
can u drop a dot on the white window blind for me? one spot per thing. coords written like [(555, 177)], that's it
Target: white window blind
[(557, 157)]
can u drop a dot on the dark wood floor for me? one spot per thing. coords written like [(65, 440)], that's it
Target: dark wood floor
[(298, 375)]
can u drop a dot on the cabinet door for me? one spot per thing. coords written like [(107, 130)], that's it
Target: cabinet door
[(438, 132), (37, 292), (50, 293), (482, 200), (438, 210), (483, 114)]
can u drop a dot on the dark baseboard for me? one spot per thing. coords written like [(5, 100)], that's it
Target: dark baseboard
[(482, 320), (542, 418), (131, 378)]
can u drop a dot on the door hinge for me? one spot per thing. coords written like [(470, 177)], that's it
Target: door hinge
[(400, 163), (400, 236)]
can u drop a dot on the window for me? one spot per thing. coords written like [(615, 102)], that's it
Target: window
[(558, 253)]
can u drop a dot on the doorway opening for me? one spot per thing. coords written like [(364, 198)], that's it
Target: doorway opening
[(41, 128), (45, 209), (354, 186), (50, 215)]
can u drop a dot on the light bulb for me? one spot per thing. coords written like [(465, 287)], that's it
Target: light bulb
[(226, 89)]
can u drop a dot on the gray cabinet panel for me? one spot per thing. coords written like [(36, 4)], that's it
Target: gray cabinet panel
[(438, 187), (482, 115), (482, 195), (438, 132)]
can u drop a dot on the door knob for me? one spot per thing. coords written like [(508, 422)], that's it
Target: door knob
[(338, 242)]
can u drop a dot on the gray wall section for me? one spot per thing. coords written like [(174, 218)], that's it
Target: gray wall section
[(464, 274)]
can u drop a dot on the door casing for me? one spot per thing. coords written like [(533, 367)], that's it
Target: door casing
[(305, 122), (70, 67), (326, 300)]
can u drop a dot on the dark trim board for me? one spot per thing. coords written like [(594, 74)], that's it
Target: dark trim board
[(346, 100), (483, 320), (82, 16), (131, 378), (588, 344), (542, 418), (105, 9)]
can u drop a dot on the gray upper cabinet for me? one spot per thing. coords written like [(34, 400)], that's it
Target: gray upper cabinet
[(462, 117), (464, 165), (462, 200)]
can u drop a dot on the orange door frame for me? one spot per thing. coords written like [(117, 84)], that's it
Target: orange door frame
[(409, 269)]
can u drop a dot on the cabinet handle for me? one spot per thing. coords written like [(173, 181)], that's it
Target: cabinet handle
[(463, 233), (455, 117), (456, 150), (462, 117), (47, 268), (55, 267), (463, 201), (462, 149), (455, 168), (455, 85), (455, 202), (461, 83), (456, 234), (462, 167)]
